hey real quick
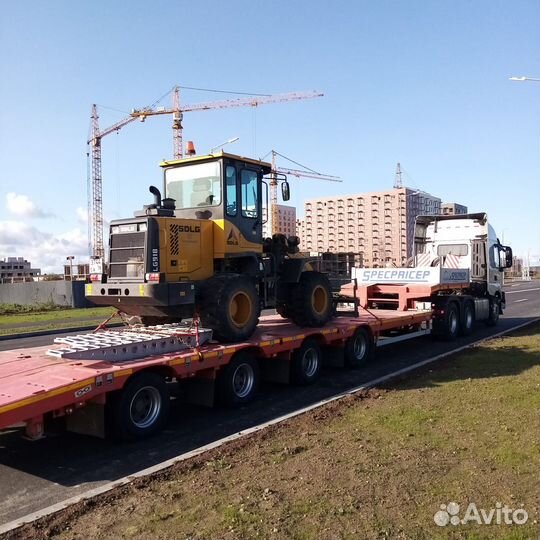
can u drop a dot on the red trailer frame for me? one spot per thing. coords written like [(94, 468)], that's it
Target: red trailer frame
[(35, 386)]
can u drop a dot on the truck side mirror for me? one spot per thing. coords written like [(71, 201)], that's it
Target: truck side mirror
[(509, 257), (285, 191)]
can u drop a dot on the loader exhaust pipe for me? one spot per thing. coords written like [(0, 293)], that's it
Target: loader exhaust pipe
[(157, 195)]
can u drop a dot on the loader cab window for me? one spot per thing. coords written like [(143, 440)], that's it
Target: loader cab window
[(230, 183), (194, 186), (250, 195)]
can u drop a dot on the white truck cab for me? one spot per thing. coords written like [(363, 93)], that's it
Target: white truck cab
[(465, 241)]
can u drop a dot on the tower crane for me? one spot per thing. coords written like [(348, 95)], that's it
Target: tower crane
[(95, 199), (95, 202), (274, 180), (178, 110)]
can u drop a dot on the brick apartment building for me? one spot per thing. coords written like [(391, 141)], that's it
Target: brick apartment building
[(379, 225), (286, 221)]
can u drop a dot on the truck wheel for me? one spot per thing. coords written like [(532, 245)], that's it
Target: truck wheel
[(358, 349), (447, 327), (494, 312), (140, 409), (238, 382), (306, 362), (467, 319), (310, 301), (229, 305)]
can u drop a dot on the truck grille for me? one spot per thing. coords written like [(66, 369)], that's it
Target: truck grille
[(127, 255)]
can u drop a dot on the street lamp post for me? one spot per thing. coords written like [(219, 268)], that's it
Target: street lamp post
[(70, 259), (523, 79)]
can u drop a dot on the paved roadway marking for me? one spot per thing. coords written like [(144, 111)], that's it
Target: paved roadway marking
[(521, 300), (522, 290)]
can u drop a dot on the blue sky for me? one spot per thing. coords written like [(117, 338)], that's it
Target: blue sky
[(424, 83)]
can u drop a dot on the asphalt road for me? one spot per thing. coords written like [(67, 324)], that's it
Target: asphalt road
[(37, 474)]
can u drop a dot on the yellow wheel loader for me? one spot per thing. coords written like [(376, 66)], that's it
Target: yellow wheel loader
[(200, 251)]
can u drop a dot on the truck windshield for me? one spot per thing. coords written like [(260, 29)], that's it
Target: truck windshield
[(193, 186)]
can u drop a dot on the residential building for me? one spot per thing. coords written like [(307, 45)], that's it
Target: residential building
[(452, 208), (14, 269), (286, 221), (378, 225)]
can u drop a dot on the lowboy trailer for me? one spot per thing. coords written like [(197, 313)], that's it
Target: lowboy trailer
[(117, 383)]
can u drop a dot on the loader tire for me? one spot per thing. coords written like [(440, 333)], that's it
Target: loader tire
[(230, 306), (282, 300), (310, 300)]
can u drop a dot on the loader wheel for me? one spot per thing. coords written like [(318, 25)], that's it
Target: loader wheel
[(310, 301), (229, 305), (282, 306)]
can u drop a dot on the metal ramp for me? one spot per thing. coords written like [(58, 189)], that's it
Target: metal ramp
[(130, 344)]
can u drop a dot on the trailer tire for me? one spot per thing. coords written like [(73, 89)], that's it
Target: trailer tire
[(140, 409), (447, 327), (311, 300), (230, 306), (358, 349), (467, 318), (306, 362), (494, 312), (239, 381)]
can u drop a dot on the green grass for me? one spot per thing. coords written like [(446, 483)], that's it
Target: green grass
[(20, 323)]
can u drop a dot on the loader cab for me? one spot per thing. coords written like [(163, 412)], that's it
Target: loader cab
[(224, 188)]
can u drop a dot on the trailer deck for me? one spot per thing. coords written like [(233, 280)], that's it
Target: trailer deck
[(33, 383)]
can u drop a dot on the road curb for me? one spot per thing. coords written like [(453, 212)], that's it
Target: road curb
[(57, 331), (34, 516)]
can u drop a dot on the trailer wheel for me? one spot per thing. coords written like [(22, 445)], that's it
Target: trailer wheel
[(467, 318), (140, 409), (229, 305), (238, 382), (306, 362), (494, 312), (447, 326), (358, 349), (311, 300)]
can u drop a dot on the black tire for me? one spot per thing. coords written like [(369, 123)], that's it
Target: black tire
[(239, 381), (306, 362), (358, 349), (447, 327), (282, 299), (229, 305), (310, 300), (467, 319), (494, 312), (140, 409)]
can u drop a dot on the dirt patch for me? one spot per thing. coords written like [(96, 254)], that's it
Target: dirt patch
[(377, 464)]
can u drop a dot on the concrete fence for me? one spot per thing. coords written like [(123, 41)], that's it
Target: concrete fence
[(61, 293)]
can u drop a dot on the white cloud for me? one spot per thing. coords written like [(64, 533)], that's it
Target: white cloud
[(82, 214), (43, 249), (22, 205)]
